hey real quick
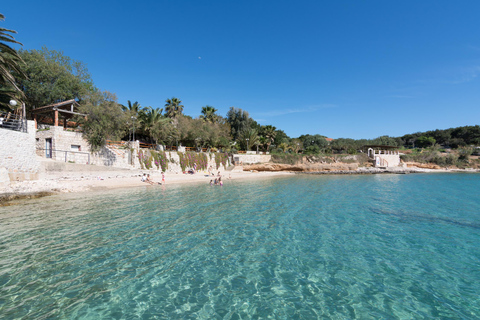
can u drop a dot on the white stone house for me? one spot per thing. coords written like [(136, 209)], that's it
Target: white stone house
[(59, 138), (60, 142)]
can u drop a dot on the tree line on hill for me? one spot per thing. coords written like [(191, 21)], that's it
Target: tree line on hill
[(42, 77)]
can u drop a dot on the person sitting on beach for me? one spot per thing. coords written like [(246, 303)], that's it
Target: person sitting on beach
[(149, 180), (144, 178)]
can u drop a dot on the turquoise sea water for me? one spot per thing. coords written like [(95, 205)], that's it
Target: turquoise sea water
[(302, 247)]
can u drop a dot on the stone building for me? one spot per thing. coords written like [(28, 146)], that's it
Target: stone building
[(60, 142)]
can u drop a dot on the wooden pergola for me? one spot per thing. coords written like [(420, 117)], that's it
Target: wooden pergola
[(65, 109)]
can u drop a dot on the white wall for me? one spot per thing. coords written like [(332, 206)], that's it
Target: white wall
[(252, 158), (17, 153), (62, 141), (392, 160)]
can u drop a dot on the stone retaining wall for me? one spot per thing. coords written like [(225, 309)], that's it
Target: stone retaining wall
[(175, 167), (17, 153), (251, 158)]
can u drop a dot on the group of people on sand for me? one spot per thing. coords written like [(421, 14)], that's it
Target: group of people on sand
[(146, 178), (211, 173), (214, 182)]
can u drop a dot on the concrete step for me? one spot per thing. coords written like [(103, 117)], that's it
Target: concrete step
[(237, 169), (50, 165)]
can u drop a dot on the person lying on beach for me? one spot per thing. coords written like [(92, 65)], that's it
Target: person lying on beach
[(150, 181)]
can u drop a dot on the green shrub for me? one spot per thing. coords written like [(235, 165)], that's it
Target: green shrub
[(145, 159), (287, 158), (189, 159), (221, 158), (160, 159), (464, 153), (314, 149), (430, 156)]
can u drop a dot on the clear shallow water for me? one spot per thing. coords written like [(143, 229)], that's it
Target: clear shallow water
[(303, 247)]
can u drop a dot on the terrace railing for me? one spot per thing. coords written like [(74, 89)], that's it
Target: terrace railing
[(117, 143), (12, 121), (147, 145)]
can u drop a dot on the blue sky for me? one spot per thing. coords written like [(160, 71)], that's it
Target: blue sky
[(352, 69)]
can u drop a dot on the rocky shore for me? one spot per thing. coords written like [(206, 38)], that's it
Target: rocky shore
[(349, 168)]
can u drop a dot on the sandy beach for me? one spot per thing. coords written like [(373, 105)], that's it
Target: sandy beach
[(79, 181), (66, 182)]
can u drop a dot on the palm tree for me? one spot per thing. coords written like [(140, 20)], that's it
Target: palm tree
[(269, 132), (133, 108), (296, 145), (208, 114), (248, 137), (263, 142), (284, 146), (10, 62), (133, 111), (173, 107), (149, 119)]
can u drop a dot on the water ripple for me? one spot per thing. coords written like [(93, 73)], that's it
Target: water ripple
[(286, 248)]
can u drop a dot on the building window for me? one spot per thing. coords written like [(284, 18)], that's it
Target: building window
[(75, 147)]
